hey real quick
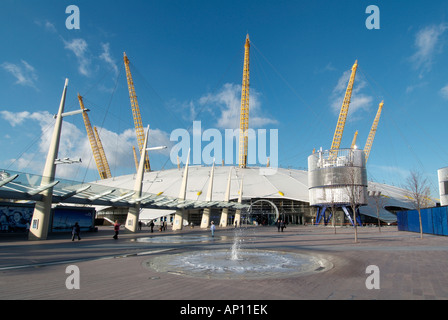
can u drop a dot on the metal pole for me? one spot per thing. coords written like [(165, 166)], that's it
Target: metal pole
[(134, 212), (42, 211)]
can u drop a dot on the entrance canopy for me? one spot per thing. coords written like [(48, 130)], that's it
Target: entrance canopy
[(25, 186)]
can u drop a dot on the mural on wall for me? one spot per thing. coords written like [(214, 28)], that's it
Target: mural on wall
[(65, 218), (15, 218)]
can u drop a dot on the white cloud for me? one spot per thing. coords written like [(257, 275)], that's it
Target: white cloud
[(79, 48), (69, 144), (47, 25), (359, 101), (74, 144), (118, 146), (412, 88), (158, 138), (50, 27), (392, 171), (106, 57), (69, 134), (24, 73), (444, 92), (428, 43), (328, 68), (228, 102), (14, 118)]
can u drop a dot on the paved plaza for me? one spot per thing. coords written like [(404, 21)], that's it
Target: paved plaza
[(409, 268)]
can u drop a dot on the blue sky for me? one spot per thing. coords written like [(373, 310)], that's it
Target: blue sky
[(187, 59)]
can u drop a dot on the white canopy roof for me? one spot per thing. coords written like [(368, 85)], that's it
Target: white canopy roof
[(257, 183)]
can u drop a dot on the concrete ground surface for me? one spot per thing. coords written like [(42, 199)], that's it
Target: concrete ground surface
[(408, 268)]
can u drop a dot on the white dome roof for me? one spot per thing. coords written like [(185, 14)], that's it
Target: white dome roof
[(287, 183), (284, 183)]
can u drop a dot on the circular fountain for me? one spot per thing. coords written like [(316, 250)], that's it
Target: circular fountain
[(175, 239), (239, 263), (247, 264)]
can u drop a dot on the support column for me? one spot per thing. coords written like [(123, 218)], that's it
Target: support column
[(134, 212), (347, 214), (178, 219), (321, 214), (240, 199), (205, 221), (179, 215), (41, 216), (225, 211)]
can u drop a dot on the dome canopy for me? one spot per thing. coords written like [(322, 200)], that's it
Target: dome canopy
[(289, 184)]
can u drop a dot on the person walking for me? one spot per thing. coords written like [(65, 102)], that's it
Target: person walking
[(212, 228), (76, 230), (116, 229), (151, 225), (279, 222), (282, 225)]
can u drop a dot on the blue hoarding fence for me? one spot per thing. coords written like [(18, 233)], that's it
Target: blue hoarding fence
[(434, 220), (65, 217), (16, 218)]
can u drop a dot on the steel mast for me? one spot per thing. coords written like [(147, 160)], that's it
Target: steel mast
[(344, 111), (244, 115), (95, 143), (371, 136), (136, 112), (102, 153), (354, 140)]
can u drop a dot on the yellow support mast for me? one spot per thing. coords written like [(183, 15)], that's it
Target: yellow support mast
[(244, 115), (371, 136), (98, 151), (136, 112), (102, 153), (344, 111), (354, 140), (135, 158)]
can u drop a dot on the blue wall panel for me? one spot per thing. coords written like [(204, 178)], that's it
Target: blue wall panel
[(440, 221), (413, 221), (427, 224), (402, 221), (434, 220)]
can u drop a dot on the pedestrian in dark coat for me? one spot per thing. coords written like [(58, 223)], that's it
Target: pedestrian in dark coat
[(282, 225), (76, 230), (116, 229)]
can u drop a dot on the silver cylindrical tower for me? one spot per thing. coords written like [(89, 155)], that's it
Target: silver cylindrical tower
[(337, 177), (443, 186)]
